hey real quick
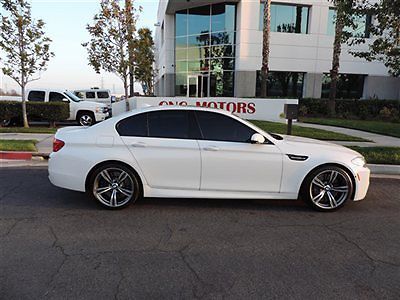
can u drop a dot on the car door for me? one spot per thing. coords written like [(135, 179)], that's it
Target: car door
[(230, 162), (58, 97), (165, 147)]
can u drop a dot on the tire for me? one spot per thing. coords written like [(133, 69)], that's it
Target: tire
[(114, 186), (327, 188), (86, 118)]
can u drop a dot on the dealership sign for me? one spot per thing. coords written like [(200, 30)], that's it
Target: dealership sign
[(247, 108)]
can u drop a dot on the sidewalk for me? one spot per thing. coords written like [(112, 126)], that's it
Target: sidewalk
[(378, 140), (45, 141)]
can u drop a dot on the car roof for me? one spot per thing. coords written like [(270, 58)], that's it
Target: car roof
[(93, 90), (180, 107)]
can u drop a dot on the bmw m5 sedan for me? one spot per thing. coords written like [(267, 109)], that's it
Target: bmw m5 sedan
[(193, 152)]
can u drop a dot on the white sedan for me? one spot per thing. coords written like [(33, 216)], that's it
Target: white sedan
[(191, 152)]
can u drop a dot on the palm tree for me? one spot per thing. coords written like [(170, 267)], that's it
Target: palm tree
[(266, 49)]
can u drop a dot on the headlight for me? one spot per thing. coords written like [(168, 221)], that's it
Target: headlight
[(101, 109), (359, 161)]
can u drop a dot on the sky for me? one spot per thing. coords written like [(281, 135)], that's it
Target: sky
[(66, 22)]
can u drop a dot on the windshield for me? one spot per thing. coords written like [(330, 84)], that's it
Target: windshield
[(72, 96)]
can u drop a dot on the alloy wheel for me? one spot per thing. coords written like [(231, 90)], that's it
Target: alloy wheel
[(86, 120), (113, 187), (329, 189)]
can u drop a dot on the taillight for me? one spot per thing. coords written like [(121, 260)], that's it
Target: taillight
[(57, 145)]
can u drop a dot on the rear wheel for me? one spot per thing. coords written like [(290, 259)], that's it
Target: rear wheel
[(327, 188), (114, 186), (86, 118)]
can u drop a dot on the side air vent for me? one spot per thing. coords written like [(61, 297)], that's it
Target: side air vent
[(297, 157)]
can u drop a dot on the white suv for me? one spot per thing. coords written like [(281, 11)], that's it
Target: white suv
[(86, 113)]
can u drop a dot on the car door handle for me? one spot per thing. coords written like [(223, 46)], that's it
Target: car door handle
[(139, 145), (211, 148)]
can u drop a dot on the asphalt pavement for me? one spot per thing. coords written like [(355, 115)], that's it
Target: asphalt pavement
[(58, 244)]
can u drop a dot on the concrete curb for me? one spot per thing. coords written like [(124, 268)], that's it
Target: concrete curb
[(16, 155), (385, 169), (20, 155)]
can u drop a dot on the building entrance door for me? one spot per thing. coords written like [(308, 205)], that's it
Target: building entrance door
[(198, 86)]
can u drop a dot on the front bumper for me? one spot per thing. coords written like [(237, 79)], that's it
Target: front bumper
[(362, 183), (101, 116)]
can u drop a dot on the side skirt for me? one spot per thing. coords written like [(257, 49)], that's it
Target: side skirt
[(173, 193)]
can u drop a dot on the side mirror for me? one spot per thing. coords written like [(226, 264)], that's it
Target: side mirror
[(257, 139), (65, 100)]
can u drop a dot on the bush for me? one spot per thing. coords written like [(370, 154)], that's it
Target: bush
[(386, 110), (46, 111)]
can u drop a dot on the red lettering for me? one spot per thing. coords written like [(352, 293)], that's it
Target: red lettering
[(163, 103), (213, 105), (231, 107), (183, 103), (204, 104), (251, 108), (241, 109), (221, 105)]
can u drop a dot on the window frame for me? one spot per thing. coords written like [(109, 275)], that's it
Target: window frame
[(63, 97), (267, 141), (37, 91), (294, 5), (191, 122)]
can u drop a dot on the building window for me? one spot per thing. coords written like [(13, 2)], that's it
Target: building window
[(282, 84), (362, 25), (349, 86), (205, 47), (287, 18)]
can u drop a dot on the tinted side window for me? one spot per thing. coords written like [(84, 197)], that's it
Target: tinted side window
[(169, 124), (56, 97), (90, 95), (133, 126), (36, 96), (103, 95), (217, 127)]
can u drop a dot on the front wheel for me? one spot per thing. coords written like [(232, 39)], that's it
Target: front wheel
[(114, 186), (327, 188), (86, 119)]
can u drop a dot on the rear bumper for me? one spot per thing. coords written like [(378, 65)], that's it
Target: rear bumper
[(58, 175), (362, 183)]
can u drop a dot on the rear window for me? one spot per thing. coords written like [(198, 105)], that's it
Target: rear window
[(133, 126), (36, 96)]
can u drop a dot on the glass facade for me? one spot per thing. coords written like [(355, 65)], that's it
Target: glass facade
[(287, 18), (350, 86), (362, 25), (205, 50), (282, 84)]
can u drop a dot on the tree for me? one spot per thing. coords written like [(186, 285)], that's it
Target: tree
[(266, 48), (131, 23), (144, 54), (386, 33), (26, 48), (111, 38), (345, 24)]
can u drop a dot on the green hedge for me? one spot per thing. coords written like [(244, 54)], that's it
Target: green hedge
[(54, 111), (386, 110)]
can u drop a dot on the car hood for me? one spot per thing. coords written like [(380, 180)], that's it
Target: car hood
[(91, 104), (300, 145)]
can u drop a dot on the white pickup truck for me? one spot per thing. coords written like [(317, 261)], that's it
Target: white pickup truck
[(86, 113)]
